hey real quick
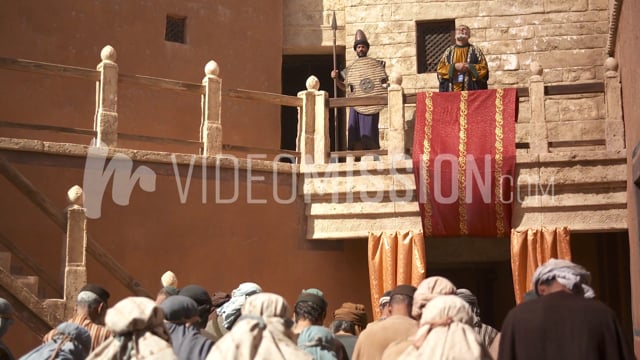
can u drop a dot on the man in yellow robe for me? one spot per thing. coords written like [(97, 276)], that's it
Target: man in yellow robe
[(463, 66)]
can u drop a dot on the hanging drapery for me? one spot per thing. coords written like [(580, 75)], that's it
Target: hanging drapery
[(394, 259), (533, 247), (463, 161)]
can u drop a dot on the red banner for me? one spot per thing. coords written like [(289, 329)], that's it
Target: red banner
[(463, 160)]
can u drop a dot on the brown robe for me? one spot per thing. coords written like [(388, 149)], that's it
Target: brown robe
[(562, 325), (378, 335)]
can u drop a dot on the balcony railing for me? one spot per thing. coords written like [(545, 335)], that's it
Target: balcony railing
[(313, 108)]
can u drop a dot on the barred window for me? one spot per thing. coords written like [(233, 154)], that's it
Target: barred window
[(174, 30), (433, 38)]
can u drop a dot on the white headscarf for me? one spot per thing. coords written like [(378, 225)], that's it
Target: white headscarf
[(137, 325), (230, 311), (446, 332), (573, 276), (263, 332)]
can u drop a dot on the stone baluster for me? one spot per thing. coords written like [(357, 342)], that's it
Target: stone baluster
[(538, 136), (395, 137), (614, 126), (75, 272), (211, 128), (313, 124), (106, 122)]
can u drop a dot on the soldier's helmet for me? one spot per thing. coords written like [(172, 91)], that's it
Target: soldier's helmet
[(361, 39)]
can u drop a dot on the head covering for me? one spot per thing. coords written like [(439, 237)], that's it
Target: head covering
[(179, 308), (354, 313), (385, 298), (6, 316), (197, 293), (202, 299), (262, 332), (573, 276), (446, 333), (171, 291), (266, 305), (472, 301), (169, 279), (135, 320), (219, 298), (101, 292), (313, 295), (319, 342), (186, 340), (428, 289), (230, 311), (360, 39), (71, 342)]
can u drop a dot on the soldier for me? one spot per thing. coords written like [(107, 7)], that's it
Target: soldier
[(365, 76)]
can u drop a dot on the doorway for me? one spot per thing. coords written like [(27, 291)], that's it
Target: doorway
[(296, 69)]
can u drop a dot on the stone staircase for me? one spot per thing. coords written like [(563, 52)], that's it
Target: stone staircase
[(24, 293)]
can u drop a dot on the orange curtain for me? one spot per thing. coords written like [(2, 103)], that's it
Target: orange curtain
[(533, 247), (394, 259)]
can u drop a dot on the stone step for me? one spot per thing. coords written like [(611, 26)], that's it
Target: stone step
[(29, 282)]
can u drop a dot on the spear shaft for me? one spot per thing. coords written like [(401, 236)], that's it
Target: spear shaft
[(334, 27)]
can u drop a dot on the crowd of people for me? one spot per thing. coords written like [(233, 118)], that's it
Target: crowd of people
[(560, 319)]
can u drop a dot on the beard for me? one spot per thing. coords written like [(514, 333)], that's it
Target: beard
[(462, 37)]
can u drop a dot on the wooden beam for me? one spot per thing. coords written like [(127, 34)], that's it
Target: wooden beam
[(50, 69), (270, 98), (28, 261), (160, 83), (53, 213), (52, 128)]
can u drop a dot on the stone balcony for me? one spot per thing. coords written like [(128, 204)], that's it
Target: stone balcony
[(571, 159)]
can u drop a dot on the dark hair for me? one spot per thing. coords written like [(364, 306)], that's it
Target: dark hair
[(399, 299), (343, 325), (309, 311)]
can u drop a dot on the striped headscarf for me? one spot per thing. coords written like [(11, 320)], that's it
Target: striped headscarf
[(572, 276)]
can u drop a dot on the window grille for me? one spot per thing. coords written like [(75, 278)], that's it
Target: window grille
[(433, 38), (174, 30)]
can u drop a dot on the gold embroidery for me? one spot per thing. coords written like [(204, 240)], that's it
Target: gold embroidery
[(462, 163), (425, 162), (498, 165)]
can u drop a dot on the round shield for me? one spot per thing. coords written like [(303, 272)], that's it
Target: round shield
[(365, 77)]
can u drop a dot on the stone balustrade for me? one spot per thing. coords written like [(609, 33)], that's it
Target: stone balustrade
[(313, 130)]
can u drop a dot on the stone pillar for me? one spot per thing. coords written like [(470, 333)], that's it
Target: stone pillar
[(308, 132), (614, 126), (106, 124), (211, 128), (395, 137), (75, 273), (538, 136)]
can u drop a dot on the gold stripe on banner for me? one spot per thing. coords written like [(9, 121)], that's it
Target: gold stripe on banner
[(498, 167), (425, 162), (462, 163)]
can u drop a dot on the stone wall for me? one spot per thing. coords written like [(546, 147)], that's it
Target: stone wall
[(626, 51), (567, 38)]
